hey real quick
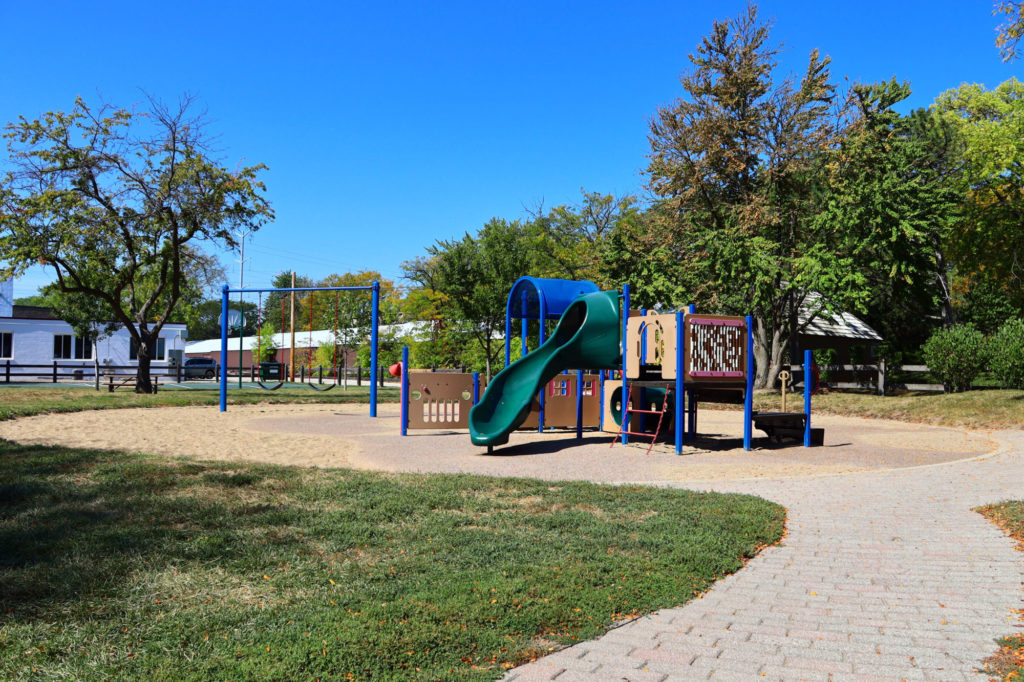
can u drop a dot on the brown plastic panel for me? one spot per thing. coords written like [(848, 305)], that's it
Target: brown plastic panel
[(716, 349), (661, 344), (560, 403), (440, 400)]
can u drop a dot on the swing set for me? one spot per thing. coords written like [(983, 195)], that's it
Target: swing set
[(374, 323), (319, 369)]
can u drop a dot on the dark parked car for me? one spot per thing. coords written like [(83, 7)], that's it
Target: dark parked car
[(199, 367)]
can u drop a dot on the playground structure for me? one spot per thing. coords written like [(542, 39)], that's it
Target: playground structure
[(226, 292), (668, 364)]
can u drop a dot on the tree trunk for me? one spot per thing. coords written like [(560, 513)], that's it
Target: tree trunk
[(768, 354), (487, 360), (143, 384), (945, 294)]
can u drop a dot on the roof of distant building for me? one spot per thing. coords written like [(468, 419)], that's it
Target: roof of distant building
[(843, 325), (306, 339), (32, 312)]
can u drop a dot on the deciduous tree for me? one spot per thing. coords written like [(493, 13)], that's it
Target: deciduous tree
[(113, 201), (988, 243), (735, 163), (475, 275)]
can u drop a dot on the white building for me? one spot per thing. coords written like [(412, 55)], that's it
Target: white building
[(31, 338)]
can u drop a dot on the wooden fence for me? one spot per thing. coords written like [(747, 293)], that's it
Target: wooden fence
[(875, 377)]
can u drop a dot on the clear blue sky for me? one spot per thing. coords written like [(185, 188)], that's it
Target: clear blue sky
[(387, 126)]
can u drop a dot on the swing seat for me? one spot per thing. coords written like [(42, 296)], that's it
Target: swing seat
[(320, 388), (270, 371)]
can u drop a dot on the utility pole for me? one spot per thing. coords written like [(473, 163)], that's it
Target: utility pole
[(242, 234), (291, 323)]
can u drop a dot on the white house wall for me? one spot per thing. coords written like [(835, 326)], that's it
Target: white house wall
[(32, 343)]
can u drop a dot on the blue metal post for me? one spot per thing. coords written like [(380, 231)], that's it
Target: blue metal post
[(476, 387), (643, 340), (508, 337), (807, 398), (625, 344), (579, 404), (375, 317), (680, 390), (523, 327), (540, 339), (224, 349), (748, 398), (600, 417), (405, 390), (641, 420), (691, 402)]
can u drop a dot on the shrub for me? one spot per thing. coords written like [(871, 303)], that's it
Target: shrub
[(956, 355), (1006, 354)]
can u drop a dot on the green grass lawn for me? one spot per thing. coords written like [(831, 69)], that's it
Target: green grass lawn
[(1008, 662), (999, 409), (115, 566), (23, 401)]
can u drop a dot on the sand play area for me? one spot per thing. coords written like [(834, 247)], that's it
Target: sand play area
[(345, 436)]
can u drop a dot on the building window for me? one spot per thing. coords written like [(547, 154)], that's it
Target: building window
[(160, 354), (6, 345), (68, 347)]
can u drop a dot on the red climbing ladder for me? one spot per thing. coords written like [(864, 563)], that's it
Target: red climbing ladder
[(628, 410)]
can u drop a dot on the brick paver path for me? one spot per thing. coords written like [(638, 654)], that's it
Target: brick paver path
[(880, 576)]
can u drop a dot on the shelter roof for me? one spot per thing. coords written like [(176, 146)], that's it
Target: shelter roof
[(839, 324)]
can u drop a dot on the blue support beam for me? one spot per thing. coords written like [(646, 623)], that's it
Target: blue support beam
[(225, 293), (374, 324), (748, 398), (680, 386), (579, 404), (540, 339), (405, 390), (808, 359), (625, 345)]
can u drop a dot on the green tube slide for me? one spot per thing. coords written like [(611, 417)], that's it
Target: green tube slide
[(587, 337), (655, 398)]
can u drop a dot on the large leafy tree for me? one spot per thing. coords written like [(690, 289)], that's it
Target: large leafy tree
[(113, 201), (1009, 33), (474, 275), (352, 311), (892, 200), (570, 240), (988, 245), (735, 164), (205, 321), (276, 306)]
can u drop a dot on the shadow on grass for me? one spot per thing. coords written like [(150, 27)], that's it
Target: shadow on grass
[(75, 524), (130, 567)]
